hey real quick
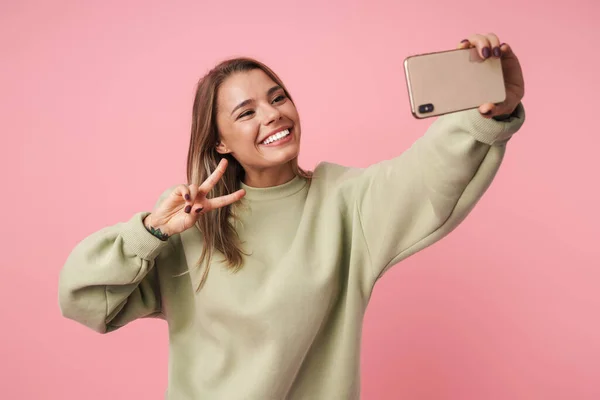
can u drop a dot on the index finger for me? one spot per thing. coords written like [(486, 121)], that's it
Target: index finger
[(213, 178)]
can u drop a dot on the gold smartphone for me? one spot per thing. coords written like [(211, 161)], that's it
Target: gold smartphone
[(453, 80)]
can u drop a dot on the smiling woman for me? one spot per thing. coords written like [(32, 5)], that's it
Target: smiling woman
[(239, 105), (293, 255), (262, 133)]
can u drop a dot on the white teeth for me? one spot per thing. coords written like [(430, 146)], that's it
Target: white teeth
[(277, 136)]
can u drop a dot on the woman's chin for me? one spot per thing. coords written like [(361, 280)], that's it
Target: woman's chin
[(281, 155)]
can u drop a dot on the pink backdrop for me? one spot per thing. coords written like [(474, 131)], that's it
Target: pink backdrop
[(95, 113)]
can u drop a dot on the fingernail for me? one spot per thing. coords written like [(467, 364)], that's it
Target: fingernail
[(188, 209), (187, 196), (502, 44), (497, 52), (486, 52), (198, 210), (464, 40)]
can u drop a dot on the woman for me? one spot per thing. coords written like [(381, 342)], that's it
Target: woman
[(262, 270)]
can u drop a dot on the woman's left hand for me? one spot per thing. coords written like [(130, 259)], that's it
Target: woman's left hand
[(490, 46)]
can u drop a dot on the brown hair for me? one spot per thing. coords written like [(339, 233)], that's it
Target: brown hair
[(217, 226)]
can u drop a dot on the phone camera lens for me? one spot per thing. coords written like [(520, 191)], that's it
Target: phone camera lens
[(426, 108)]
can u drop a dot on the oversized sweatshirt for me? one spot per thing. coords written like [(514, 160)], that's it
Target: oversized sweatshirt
[(288, 324)]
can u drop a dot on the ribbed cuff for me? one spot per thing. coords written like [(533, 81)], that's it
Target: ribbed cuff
[(491, 131), (137, 238)]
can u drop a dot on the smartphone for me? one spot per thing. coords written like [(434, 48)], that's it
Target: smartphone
[(454, 80)]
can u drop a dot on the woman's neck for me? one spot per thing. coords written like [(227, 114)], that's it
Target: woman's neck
[(269, 177)]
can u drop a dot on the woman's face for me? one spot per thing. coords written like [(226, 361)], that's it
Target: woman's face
[(258, 124)]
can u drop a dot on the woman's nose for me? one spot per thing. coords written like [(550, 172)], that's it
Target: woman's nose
[(271, 114)]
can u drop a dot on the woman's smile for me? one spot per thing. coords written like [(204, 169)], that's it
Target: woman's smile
[(278, 138)]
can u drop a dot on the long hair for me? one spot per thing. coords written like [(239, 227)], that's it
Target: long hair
[(218, 226)]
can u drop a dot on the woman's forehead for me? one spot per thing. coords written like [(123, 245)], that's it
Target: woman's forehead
[(245, 85)]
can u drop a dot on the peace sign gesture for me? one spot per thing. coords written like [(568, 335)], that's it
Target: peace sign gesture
[(181, 209)]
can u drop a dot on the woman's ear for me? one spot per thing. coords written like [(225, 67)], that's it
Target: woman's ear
[(222, 148)]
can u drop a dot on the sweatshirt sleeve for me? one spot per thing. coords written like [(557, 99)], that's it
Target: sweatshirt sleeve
[(413, 200), (110, 278)]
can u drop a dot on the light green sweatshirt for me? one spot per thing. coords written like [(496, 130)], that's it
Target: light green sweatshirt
[(288, 324)]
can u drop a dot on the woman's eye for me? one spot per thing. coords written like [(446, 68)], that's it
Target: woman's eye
[(246, 113), (279, 98)]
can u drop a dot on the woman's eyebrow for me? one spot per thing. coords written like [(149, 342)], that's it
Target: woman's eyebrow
[(246, 102)]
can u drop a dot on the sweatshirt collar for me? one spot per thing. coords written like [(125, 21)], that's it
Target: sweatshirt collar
[(274, 192)]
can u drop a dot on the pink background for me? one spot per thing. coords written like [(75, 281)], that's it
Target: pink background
[(95, 114)]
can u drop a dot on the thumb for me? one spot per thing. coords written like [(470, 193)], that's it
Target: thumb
[(490, 110)]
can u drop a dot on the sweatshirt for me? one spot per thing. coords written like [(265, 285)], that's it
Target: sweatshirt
[(288, 324)]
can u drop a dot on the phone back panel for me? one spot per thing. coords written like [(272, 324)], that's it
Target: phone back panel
[(449, 81)]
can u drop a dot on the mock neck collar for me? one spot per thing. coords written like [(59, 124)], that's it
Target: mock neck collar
[(274, 192)]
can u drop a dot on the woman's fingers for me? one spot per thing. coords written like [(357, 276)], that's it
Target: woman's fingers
[(487, 45), (487, 109), (181, 192), (206, 205), (191, 198), (507, 51), (494, 44), (482, 44), (197, 209), (222, 201), (212, 180), (200, 204), (464, 44)]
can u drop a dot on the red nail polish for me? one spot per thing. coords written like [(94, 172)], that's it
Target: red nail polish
[(187, 197), (198, 210), (187, 209), (486, 52)]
